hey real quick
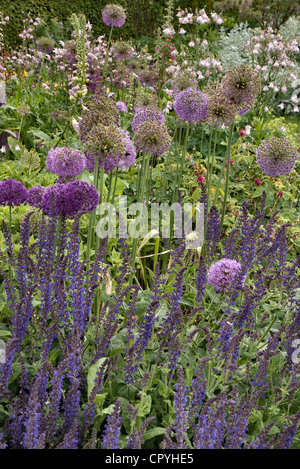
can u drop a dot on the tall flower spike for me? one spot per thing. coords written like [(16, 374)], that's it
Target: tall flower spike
[(276, 156)]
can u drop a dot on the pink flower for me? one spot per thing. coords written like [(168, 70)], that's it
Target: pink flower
[(201, 179), (257, 182), (242, 132), (279, 195)]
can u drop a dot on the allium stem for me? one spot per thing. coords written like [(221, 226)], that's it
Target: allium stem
[(210, 168), (104, 71), (227, 172), (92, 215)]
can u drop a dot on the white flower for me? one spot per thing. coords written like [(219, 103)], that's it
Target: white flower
[(3, 149), (17, 148), (294, 99), (281, 106), (247, 129), (191, 44), (283, 89), (168, 31), (182, 31), (296, 109)]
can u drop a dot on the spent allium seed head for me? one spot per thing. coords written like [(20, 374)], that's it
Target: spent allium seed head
[(65, 161), (221, 274), (183, 80), (148, 77), (76, 197), (276, 156), (122, 50), (152, 138), (12, 193), (114, 15), (46, 45), (107, 144), (99, 110), (144, 99), (242, 85), (35, 195), (30, 159), (191, 105), (147, 114), (220, 109), (23, 110)]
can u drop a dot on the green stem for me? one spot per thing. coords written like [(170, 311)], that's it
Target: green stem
[(227, 173), (211, 170), (92, 216), (104, 71)]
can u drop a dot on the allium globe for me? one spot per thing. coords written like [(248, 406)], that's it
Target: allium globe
[(222, 273), (65, 161), (73, 198), (276, 156), (12, 193), (122, 50), (130, 155), (221, 111), (183, 80), (107, 144), (99, 110), (114, 15), (191, 105), (242, 85), (152, 138), (147, 114), (121, 106), (35, 195)]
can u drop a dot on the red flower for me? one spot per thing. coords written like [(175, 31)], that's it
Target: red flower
[(242, 132), (257, 182), (279, 195), (201, 179)]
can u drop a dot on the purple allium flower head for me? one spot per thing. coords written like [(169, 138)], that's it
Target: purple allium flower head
[(183, 80), (65, 161), (152, 138), (35, 195), (242, 85), (99, 110), (148, 77), (122, 50), (114, 15), (107, 144), (191, 105), (147, 114), (222, 273), (276, 156), (70, 199), (121, 106), (130, 154), (12, 193)]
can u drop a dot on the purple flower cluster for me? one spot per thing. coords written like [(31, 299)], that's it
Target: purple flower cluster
[(147, 114), (182, 81), (65, 161), (222, 273), (12, 193), (35, 195), (76, 197), (121, 106), (191, 105), (122, 50), (114, 15), (276, 156)]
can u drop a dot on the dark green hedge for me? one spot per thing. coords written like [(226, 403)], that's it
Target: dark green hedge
[(143, 16)]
